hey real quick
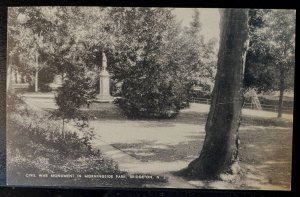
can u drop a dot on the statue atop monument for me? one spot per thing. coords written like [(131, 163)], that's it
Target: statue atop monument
[(104, 61)]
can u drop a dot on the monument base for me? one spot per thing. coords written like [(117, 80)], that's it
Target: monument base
[(103, 110), (104, 99)]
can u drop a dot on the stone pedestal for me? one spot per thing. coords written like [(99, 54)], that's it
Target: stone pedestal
[(104, 95)]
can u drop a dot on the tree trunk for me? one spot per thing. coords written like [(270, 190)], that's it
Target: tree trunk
[(63, 129), (36, 81), (16, 76), (220, 148), (280, 102)]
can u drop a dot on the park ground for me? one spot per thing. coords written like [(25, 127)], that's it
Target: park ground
[(161, 147)]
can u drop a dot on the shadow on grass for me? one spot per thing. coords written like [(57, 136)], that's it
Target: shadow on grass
[(148, 151), (265, 158)]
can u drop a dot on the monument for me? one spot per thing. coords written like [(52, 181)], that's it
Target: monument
[(104, 80), (102, 106)]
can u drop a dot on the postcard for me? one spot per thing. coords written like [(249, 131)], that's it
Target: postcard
[(135, 97)]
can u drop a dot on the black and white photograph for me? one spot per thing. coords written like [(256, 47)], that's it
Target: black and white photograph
[(150, 97)]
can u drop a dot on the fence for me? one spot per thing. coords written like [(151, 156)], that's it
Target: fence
[(247, 105)]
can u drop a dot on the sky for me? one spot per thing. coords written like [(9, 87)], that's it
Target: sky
[(209, 18)]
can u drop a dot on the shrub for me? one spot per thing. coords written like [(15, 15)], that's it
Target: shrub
[(149, 98), (46, 76), (35, 144), (14, 102)]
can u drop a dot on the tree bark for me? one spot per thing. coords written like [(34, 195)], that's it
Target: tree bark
[(220, 148)]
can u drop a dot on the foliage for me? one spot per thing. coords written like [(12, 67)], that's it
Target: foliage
[(192, 60), (271, 56), (14, 102), (28, 27), (36, 145), (46, 76), (270, 64), (155, 102), (156, 62), (140, 34), (74, 93), (142, 44)]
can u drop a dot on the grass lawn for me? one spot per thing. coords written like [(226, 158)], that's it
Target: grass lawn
[(265, 151), (169, 145)]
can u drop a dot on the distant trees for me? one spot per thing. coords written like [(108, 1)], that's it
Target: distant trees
[(271, 57), (193, 60), (154, 61), (150, 56), (28, 35)]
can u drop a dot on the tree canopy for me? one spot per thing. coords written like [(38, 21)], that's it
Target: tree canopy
[(270, 62), (271, 56), (154, 62)]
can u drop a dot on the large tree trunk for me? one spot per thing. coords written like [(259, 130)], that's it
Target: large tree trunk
[(220, 148), (281, 91)]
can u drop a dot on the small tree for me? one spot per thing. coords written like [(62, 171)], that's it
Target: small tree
[(75, 91)]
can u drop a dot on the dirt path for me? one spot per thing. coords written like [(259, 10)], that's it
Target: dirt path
[(46, 100), (132, 165)]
